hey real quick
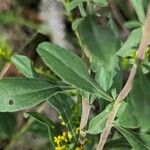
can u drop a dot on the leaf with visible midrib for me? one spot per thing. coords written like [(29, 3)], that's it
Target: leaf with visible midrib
[(24, 65), (64, 104), (134, 141), (97, 123), (46, 122), (18, 93), (69, 67)]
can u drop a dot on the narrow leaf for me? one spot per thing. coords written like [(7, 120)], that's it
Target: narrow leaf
[(73, 4), (134, 141), (24, 65), (117, 144), (138, 6), (46, 122), (64, 104)]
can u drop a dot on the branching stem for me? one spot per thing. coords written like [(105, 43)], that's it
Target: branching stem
[(128, 86)]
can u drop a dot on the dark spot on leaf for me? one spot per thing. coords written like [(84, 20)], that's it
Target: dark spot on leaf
[(11, 102)]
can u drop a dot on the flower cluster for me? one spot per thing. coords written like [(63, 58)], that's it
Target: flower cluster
[(5, 53), (63, 140)]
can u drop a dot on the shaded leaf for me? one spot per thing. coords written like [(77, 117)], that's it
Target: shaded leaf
[(46, 122), (76, 23), (117, 144), (18, 93), (134, 141), (24, 65), (140, 99), (64, 104), (100, 41), (7, 125)]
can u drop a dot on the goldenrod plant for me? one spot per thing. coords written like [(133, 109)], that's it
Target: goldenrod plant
[(99, 89)]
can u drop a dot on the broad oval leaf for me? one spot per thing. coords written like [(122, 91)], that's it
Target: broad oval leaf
[(69, 67), (100, 41), (18, 93), (24, 65)]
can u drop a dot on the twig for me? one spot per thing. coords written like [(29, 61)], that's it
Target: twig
[(84, 119), (128, 86), (5, 70)]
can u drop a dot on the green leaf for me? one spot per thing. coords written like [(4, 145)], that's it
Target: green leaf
[(103, 3), (97, 123), (132, 24), (131, 43), (18, 93), (76, 23), (24, 65), (108, 79), (7, 125), (127, 118), (46, 122), (64, 104), (100, 41), (69, 67), (73, 4), (138, 6), (140, 99), (117, 144), (134, 141)]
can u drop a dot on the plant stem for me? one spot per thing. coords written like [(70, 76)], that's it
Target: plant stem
[(84, 119), (128, 86)]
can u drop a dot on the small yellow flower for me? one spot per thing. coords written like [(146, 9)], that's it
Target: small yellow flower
[(60, 117), (57, 140), (64, 137), (78, 148), (77, 130), (60, 147), (69, 136), (63, 123)]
